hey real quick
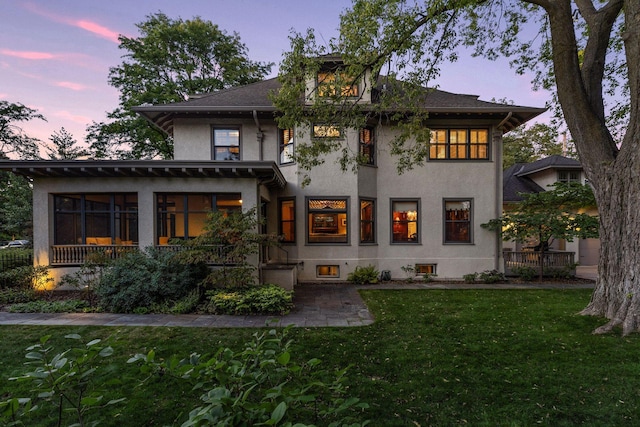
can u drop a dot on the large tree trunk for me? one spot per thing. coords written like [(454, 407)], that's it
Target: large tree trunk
[(614, 172)]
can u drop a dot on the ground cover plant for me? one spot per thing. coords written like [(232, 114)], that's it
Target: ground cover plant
[(433, 357)]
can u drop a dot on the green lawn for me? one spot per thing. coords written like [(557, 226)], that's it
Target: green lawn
[(474, 357)]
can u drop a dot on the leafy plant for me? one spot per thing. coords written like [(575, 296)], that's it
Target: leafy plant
[(141, 279), (43, 306), (491, 276), (228, 239), (363, 275), (66, 380), (264, 299), (89, 274), (524, 272), (17, 295), (470, 278), (260, 385), (409, 271), (26, 276), (429, 277)]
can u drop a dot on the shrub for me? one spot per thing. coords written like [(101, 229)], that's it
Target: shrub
[(470, 278), (41, 306), (363, 275), (261, 385), (491, 276), (525, 272), (17, 295), (429, 277), (141, 279), (24, 277), (263, 299)]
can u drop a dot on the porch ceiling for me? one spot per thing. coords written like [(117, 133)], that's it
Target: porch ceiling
[(267, 173)]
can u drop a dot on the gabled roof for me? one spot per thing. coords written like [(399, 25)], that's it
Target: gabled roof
[(551, 162), (254, 99), (513, 185), (516, 179)]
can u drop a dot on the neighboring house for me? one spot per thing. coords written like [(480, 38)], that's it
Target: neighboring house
[(230, 154), (537, 176)]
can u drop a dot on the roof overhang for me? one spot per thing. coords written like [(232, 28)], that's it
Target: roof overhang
[(266, 173)]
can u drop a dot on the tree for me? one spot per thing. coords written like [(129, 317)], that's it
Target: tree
[(589, 52), (528, 144), (13, 140), (64, 147), (16, 206), (548, 215), (171, 60)]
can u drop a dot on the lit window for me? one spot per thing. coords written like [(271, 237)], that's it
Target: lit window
[(404, 221), (329, 82), (426, 269), (288, 220), (367, 221), (226, 144), (328, 271), (327, 221), (367, 146), (183, 215), (95, 219), (287, 147), (459, 144), (457, 221), (327, 131)]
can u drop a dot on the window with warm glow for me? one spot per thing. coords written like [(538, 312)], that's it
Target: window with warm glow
[(367, 146), (367, 221), (226, 144), (327, 221), (287, 216), (327, 131), (404, 221), (330, 82), (287, 146), (328, 271), (459, 144), (183, 215), (426, 269), (457, 221)]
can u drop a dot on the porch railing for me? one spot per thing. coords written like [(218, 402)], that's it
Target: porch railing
[(513, 260), (77, 254)]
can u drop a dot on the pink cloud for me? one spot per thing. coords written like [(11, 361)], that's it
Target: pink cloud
[(97, 29), (63, 114), (85, 24), (71, 85), (23, 54)]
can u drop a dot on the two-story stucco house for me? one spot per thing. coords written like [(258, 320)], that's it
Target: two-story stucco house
[(230, 154), (537, 176)]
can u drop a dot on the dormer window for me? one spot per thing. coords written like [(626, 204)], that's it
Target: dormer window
[(329, 82), (569, 177)]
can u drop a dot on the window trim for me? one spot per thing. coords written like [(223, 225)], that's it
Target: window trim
[(308, 212), (282, 145), (373, 221), (371, 158), (330, 86), (417, 201), (467, 144), (281, 221), (213, 141), (568, 179), (470, 221)]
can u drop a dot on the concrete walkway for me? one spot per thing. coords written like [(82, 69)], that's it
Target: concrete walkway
[(316, 305)]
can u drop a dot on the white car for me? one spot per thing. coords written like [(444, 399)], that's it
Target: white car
[(18, 244)]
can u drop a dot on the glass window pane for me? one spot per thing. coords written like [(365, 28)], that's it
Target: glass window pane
[(458, 221), (405, 222), (226, 137)]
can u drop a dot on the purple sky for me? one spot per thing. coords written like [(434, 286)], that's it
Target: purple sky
[(55, 55)]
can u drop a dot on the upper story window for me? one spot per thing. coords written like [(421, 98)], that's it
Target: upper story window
[(326, 131), (226, 143), (570, 177), (367, 146), (287, 146), (336, 83), (459, 144)]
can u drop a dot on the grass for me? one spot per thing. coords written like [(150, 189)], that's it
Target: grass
[(433, 358)]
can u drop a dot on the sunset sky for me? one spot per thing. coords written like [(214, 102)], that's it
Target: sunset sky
[(55, 55)]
